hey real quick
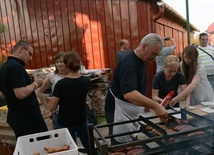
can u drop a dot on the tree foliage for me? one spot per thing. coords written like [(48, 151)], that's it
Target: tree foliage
[(2, 28), (196, 39)]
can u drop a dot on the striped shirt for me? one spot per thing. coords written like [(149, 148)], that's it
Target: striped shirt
[(206, 60)]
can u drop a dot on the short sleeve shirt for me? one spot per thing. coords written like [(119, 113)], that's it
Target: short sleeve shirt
[(130, 74), (72, 100), (25, 112), (164, 87)]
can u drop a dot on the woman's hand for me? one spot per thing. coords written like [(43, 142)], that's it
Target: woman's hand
[(187, 105), (173, 101)]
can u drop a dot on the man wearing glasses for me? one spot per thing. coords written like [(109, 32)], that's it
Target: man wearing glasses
[(206, 57), (24, 115)]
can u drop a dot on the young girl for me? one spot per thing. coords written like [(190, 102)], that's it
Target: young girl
[(51, 80), (70, 94), (194, 72)]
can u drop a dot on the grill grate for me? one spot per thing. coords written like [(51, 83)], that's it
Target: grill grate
[(181, 143)]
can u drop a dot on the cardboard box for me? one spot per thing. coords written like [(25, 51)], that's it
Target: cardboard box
[(30, 144)]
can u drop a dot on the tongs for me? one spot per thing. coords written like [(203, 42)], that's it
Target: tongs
[(172, 118)]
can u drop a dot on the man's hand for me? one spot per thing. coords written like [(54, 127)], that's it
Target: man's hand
[(161, 112), (39, 80)]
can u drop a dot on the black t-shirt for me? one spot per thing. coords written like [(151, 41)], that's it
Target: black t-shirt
[(159, 82), (72, 100), (21, 112), (130, 74), (120, 55)]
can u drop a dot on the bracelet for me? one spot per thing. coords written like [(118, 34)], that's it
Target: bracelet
[(36, 84)]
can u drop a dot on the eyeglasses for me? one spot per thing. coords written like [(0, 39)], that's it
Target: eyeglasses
[(30, 54)]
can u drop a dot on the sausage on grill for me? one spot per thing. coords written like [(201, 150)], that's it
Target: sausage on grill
[(194, 134), (133, 147), (149, 128), (183, 127), (118, 153), (135, 152)]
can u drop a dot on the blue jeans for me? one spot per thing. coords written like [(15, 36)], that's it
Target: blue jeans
[(56, 124), (82, 132)]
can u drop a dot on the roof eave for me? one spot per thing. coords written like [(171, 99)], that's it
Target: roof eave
[(177, 15)]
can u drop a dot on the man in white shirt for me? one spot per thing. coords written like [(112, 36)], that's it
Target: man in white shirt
[(206, 57)]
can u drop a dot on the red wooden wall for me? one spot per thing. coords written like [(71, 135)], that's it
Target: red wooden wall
[(93, 28)]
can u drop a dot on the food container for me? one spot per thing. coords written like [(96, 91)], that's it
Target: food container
[(30, 144)]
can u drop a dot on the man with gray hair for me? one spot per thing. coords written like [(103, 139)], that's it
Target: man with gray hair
[(24, 115), (129, 86)]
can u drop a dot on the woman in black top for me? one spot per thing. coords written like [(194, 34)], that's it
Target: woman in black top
[(170, 79), (70, 94)]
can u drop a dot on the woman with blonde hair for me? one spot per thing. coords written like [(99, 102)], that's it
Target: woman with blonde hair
[(194, 72), (168, 80)]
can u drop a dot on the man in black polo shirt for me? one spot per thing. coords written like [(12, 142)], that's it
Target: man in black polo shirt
[(24, 115)]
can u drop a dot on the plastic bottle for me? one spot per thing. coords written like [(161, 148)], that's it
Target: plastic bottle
[(166, 100)]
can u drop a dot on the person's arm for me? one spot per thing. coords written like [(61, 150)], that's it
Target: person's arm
[(186, 91), (155, 96), (187, 101), (187, 98), (173, 42), (24, 92), (169, 49), (41, 89), (138, 99), (53, 103)]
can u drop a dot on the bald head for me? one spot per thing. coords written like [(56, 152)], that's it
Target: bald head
[(124, 45)]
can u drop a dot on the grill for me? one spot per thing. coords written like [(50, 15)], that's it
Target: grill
[(164, 143)]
